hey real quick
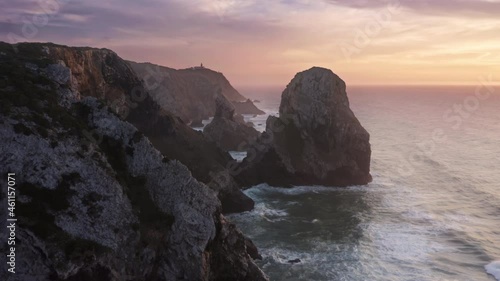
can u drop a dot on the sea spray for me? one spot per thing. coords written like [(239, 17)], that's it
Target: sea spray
[(494, 269)]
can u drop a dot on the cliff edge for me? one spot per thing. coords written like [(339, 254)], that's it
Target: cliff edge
[(190, 93), (96, 200)]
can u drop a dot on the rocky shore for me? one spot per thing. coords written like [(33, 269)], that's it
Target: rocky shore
[(114, 185)]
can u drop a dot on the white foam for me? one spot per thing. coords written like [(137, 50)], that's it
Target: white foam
[(204, 124), (262, 211), (401, 241), (298, 190), (238, 155), (282, 256), (494, 269)]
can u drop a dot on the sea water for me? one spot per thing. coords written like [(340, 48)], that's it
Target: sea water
[(432, 211)]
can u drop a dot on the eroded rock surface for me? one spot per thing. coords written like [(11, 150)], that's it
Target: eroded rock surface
[(96, 200), (230, 132), (101, 73), (315, 140)]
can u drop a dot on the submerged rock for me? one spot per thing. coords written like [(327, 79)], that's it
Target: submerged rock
[(315, 140), (228, 130)]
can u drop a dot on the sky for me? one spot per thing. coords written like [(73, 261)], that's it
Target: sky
[(265, 42)]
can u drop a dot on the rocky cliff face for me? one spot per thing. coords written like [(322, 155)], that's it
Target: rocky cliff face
[(95, 199), (190, 93), (229, 132), (315, 140), (101, 73)]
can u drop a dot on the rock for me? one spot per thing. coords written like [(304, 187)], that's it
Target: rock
[(187, 93), (231, 241), (58, 73), (223, 108), (97, 200), (294, 261), (196, 123), (247, 107), (102, 74), (315, 140), (239, 118), (229, 132), (235, 201), (252, 250)]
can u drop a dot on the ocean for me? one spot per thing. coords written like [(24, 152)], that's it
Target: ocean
[(432, 211)]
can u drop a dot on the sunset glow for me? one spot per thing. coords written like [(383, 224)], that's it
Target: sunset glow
[(257, 42)]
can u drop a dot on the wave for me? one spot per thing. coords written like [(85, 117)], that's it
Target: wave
[(264, 188), (261, 211), (494, 269), (238, 155)]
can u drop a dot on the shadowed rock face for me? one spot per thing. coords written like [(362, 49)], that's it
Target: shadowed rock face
[(247, 107), (315, 140), (228, 131), (224, 109), (97, 200)]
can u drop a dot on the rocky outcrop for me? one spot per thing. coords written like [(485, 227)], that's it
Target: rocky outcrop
[(95, 199), (196, 123), (229, 132), (190, 93), (102, 74), (315, 140), (247, 107)]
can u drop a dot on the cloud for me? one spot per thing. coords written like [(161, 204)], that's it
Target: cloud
[(449, 8), (262, 41)]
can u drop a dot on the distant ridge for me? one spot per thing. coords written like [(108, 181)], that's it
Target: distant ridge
[(190, 93)]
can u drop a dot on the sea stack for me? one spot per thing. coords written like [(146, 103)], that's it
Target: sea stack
[(316, 139), (228, 130)]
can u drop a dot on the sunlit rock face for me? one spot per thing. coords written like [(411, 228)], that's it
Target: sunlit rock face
[(316, 139)]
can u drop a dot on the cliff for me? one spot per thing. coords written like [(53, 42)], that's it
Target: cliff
[(96, 200), (189, 93), (316, 139), (102, 74)]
